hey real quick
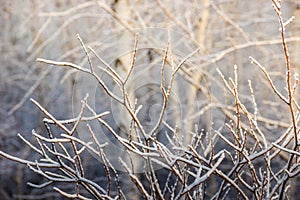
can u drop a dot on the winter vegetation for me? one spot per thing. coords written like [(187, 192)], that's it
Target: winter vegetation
[(130, 99)]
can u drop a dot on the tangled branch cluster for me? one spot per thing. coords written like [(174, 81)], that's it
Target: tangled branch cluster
[(239, 161)]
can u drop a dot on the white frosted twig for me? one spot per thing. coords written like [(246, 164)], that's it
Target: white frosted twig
[(111, 72), (50, 116), (205, 176), (86, 53), (74, 66), (136, 181), (27, 162), (133, 59), (50, 140), (220, 55), (40, 185), (283, 98), (70, 196), (286, 150), (69, 121), (29, 144)]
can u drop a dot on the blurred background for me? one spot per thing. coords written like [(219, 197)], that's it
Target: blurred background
[(226, 32)]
